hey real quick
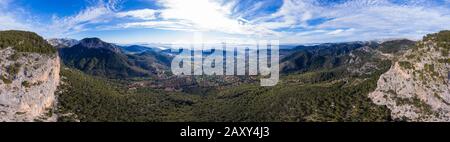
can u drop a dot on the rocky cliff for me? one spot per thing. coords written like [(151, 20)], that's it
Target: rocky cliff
[(29, 77), (417, 87), (27, 87)]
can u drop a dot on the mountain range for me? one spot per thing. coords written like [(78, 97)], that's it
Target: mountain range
[(97, 57)]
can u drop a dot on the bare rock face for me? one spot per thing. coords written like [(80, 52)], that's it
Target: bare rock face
[(28, 82), (417, 87)]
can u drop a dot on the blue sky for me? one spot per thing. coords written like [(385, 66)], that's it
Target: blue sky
[(167, 21)]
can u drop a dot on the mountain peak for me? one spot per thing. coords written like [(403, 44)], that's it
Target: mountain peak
[(92, 42), (97, 43), (92, 39)]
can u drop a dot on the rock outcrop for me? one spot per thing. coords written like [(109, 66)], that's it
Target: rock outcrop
[(27, 85), (417, 87)]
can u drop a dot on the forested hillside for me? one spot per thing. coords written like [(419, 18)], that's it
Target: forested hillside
[(332, 89), (25, 42)]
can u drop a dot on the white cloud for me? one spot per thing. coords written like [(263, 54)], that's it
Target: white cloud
[(350, 20), (203, 15), (9, 20), (4, 3), (389, 20), (101, 12), (166, 25), (145, 14), (335, 32), (9, 23), (292, 14), (365, 19)]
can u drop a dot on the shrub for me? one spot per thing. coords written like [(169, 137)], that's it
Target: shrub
[(14, 57), (6, 80), (26, 84), (406, 65), (14, 69)]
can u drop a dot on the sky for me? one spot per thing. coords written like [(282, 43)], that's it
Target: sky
[(168, 21)]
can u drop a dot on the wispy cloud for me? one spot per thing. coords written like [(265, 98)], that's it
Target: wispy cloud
[(367, 19), (8, 22), (101, 12), (348, 20), (10, 19), (145, 14), (4, 3), (166, 25)]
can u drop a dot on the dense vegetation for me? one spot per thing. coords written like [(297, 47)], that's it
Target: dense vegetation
[(321, 101), (443, 41), (314, 98), (135, 49), (396, 46), (318, 57), (97, 99), (443, 36), (325, 90), (25, 42)]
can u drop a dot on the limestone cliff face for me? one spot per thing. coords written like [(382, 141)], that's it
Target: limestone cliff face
[(28, 82), (417, 87)]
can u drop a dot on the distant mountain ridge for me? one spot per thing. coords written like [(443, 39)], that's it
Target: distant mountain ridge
[(136, 49), (331, 55), (96, 57), (96, 43)]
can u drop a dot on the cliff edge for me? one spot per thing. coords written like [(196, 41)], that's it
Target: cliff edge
[(29, 77), (417, 87)]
